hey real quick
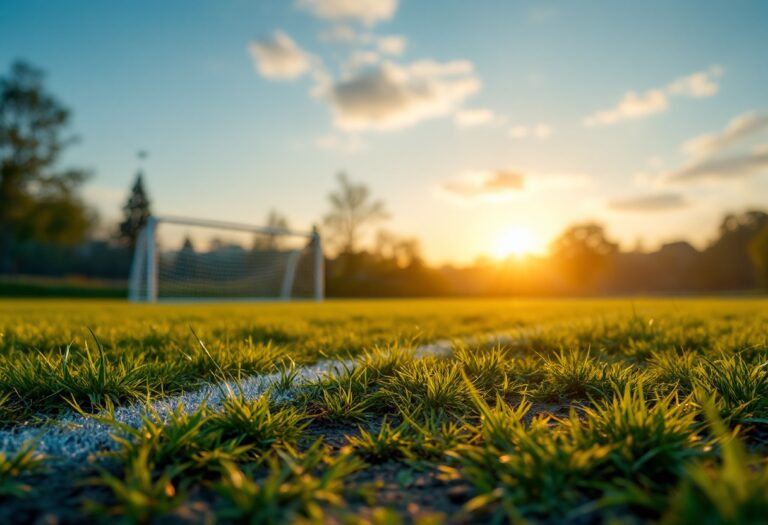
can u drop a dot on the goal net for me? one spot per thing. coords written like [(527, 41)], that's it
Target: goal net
[(185, 260)]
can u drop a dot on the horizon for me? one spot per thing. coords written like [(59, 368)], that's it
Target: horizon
[(542, 115)]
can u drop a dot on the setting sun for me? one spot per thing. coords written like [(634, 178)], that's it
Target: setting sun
[(515, 241)]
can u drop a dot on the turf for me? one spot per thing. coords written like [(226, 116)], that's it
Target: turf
[(542, 411)]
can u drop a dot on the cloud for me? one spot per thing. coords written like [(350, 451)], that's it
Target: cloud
[(539, 131), (485, 184), (730, 154), (429, 68), (475, 117), (650, 203), (635, 105), (368, 12), (389, 96), (359, 60), (392, 44), (504, 185), (632, 106), (341, 33), (740, 128), (279, 57), (698, 85), (723, 168), (340, 143)]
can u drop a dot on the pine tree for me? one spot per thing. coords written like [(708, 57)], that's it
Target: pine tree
[(136, 212)]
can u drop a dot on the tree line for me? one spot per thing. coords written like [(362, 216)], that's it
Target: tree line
[(46, 228)]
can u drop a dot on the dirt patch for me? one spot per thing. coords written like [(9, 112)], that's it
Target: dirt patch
[(410, 492)]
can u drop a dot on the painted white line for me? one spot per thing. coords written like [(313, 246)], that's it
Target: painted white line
[(74, 437)]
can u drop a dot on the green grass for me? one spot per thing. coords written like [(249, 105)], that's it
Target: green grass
[(589, 411), (14, 468)]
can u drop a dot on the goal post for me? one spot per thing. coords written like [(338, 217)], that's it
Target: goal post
[(181, 259)]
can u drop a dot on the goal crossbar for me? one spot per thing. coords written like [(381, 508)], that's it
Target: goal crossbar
[(144, 281), (226, 225)]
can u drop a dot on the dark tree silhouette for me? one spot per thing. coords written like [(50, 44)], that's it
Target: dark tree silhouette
[(37, 201), (401, 252), (186, 260), (758, 252), (582, 252), (726, 263), (352, 210), (271, 241), (136, 212)]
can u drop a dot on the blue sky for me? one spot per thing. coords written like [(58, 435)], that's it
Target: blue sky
[(470, 119)]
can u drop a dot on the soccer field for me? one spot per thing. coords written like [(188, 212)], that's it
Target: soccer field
[(385, 412)]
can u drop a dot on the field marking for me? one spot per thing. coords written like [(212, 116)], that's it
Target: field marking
[(75, 438)]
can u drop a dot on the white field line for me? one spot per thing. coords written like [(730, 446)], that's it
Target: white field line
[(74, 437)]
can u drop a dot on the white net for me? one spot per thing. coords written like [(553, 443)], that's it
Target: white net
[(216, 262)]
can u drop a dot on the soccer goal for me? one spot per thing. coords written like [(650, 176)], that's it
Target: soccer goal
[(180, 259)]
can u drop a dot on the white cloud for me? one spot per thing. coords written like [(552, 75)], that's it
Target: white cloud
[(650, 203), (392, 44), (340, 143), (636, 105), (632, 106), (724, 168), (505, 185), (340, 33), (432, 68), (366, 11), (740, 128), (359, 60), (485, 185), (697, 85), (539, 131), (730, 154), (390, 96), (475, 117), (279, 57)]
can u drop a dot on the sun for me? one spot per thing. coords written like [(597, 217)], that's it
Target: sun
[(515, 242)]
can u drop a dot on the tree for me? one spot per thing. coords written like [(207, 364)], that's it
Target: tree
[(401, 251), (582, 251), (186, 260), (758, 252), (351, 212), (726, 263), (37, 201), (136, 212), (276, 221)]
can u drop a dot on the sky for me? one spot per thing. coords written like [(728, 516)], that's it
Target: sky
[(485, 126)]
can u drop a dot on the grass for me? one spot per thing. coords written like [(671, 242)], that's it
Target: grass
[(295, 485), (16, 467), (733, 490), (647, 411)]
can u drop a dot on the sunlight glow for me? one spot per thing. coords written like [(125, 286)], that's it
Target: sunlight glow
[(515, 242)]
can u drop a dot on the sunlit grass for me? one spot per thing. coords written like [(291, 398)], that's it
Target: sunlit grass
[(573, 412)]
